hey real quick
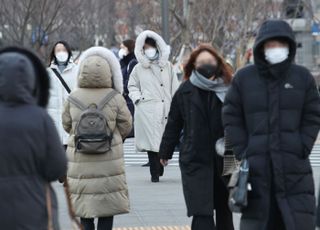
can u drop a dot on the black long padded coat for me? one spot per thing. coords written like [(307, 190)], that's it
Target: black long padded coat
[(127, 65), (200, 166), (31, 154), (273, 113)]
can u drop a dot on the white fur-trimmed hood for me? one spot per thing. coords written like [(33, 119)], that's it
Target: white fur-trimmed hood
[(109, 56), (163, 48)]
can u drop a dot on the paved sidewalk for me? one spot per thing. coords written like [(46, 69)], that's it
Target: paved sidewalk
[(152, 204), (160, 205)]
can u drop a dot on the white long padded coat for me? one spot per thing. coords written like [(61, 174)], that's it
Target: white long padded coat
[(152, 85), (58, 95)]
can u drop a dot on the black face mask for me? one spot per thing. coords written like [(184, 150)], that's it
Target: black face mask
[(207, 70)]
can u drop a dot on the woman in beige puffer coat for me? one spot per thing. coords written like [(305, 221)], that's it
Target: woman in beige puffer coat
[(97, 182)]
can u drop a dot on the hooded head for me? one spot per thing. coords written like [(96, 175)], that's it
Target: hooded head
[(155, 40), (274, 30), (99, 68), (23, 78)]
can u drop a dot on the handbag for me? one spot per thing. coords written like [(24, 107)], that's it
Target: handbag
[(76, 225), (239, 171), (239, 182), (239, 187)]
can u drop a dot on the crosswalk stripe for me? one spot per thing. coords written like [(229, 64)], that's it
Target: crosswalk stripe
[(132, 157)]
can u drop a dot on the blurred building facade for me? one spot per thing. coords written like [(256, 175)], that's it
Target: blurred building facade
[(303, 16)]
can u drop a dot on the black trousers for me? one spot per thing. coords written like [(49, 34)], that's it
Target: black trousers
[(207, 223), (203, 223), (104, 223), (224, 218), (156, 169)]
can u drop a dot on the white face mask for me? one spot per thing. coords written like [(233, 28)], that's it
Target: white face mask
[(150, 52), (276, 55), (122, 53), (62, 56)]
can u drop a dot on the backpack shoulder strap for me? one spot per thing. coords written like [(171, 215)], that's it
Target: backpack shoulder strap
[(130, 66), (106, 99), (65, 85), (77, 103)]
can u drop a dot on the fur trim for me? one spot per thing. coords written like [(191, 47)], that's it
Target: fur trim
[(109, 56), (163, 48)]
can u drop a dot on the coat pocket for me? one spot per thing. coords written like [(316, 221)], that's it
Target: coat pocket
[(145, 97), (146, 108)]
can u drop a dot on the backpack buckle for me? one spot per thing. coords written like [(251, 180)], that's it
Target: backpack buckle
[(93, 106)]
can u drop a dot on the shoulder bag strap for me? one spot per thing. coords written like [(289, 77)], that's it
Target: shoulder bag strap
[(132, 62), (76, 225), (61, 80), (49, 207)]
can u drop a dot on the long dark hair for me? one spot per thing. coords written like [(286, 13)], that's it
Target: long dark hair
[(223, 69), (129, 43), (52, 57)]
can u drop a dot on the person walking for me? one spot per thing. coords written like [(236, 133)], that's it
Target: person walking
[(196, 109), (127, 61), (63, 79), (151, 86), (31, 154), (272, 118), (98, 120)]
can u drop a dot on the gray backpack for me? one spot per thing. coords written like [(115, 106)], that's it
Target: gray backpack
[(92, 133)]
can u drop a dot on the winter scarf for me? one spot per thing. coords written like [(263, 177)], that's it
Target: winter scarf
[(62, 66), (217, 86)]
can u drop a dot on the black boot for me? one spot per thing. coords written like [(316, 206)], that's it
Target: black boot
[(161, 170), (155, 179), (146, 164), (154, 166)]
